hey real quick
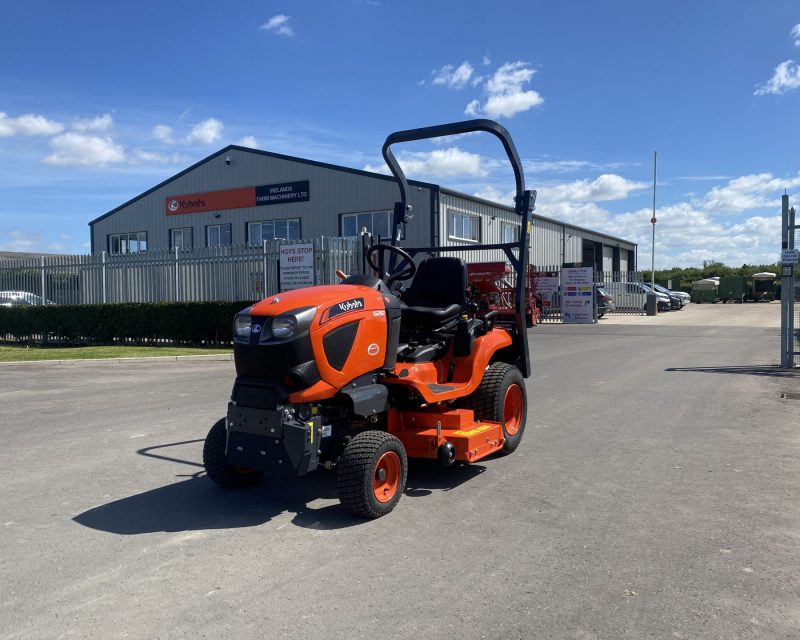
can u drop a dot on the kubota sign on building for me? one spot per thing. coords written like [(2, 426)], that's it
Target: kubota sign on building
[(237, 198)]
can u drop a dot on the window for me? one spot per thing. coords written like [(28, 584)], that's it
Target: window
[(378, 223), (218, 235), (127, 242), (180, 238), (463, 226), (257, 232), (509, 232)]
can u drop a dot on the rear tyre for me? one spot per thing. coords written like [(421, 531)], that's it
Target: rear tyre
[(371, 474), (217, 468), (501, 398)]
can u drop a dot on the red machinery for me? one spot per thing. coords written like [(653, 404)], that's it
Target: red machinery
[(491, 287)]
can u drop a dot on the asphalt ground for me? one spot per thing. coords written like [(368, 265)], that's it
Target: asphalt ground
[(655, 495)]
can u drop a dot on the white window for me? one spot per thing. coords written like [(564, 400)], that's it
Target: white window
[(463, 226), (378, 223), (218, 235), (127, 242), (509, 232), (257, 232), (180, 238)]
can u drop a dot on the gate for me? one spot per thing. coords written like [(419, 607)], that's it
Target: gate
[(790, 289)]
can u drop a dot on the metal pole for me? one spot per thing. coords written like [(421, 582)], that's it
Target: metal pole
[(264, 293), (786, 270), (41, 258), (653, 259), (177, 278), (103, 256)]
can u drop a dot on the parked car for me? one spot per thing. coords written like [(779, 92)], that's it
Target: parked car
[(675, 301), (20, 298), (632, 296), (604, 301)]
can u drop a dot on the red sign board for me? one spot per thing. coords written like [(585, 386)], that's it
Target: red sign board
[(285, 193)]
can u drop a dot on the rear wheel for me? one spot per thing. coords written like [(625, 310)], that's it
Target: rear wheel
[(501, 398), (371, 474), (216, 464)]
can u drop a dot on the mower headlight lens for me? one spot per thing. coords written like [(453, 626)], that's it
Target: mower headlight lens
[(284, 327), (242, 326)]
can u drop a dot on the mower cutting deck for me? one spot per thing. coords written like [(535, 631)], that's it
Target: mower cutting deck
[(361, 375)]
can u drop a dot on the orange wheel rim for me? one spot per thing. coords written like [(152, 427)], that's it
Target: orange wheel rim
[(512, 410), (386, 478)]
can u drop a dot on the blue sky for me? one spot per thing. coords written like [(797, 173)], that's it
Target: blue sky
[(100, 101)]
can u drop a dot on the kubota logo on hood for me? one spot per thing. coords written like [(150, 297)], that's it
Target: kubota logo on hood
[(354, 304)]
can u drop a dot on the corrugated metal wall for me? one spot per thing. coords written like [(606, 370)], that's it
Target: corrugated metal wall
[(331, 192)]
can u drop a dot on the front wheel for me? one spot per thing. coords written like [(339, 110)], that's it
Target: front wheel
[(371, 474), (216, 463), (501, 398)]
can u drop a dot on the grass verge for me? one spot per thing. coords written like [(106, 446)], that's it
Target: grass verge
[(22, 353)]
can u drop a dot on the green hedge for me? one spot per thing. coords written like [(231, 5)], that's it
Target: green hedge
[(194, 323)]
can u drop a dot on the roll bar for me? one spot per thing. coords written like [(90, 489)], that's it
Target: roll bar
[(524, 203)]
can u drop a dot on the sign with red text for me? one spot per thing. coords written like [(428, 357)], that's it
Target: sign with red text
[(296, 266)]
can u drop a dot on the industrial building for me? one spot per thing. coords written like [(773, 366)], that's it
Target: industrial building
[(240, 196)]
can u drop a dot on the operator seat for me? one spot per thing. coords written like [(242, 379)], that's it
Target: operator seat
[(437, 294)]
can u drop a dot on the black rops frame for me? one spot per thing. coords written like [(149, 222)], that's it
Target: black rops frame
[(524, 203)]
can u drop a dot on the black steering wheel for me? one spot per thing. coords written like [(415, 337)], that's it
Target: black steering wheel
[(398, 273)]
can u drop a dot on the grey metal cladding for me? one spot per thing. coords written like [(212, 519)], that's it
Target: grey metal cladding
[(332, 191)]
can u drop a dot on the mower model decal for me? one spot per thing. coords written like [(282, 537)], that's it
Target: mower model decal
[(354, 304), (373, 349), (473, 432)]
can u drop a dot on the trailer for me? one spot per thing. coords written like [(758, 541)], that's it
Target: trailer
[(491, 288), (705, 290), (763, 289), (732, 288)]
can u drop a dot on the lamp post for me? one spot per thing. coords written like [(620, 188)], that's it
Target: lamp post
[(652, 304)]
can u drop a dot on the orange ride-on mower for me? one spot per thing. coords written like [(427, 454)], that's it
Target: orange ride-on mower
[(361, 375)]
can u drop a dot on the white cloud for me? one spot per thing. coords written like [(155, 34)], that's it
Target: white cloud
[(248, 141), (98, 123), (506, 93), (440, 163), (278, 24), (28, 125), (163, 133), (78, 149), (786, 78), (486, 61), (606, 187), (206, 132), (454, 77), (142, 156), (795, 33), (748, 192)]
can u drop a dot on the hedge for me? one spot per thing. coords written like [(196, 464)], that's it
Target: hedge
[(189, 323)]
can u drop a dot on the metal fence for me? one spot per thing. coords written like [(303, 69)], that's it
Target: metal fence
[(202, 274)]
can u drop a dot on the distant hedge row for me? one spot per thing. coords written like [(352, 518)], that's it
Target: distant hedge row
[(189, 323)]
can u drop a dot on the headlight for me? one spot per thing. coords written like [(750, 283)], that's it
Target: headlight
[(242, 326), (283, 327)]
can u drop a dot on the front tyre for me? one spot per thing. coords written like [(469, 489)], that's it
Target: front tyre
[(216, 464), (371, 474), (501, 398)]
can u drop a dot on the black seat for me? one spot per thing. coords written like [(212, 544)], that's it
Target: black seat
[(437, 294)]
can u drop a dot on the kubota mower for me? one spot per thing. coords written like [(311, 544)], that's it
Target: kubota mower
[(361, 375)]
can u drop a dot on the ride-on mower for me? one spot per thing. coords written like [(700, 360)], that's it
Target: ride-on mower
[(361, 375)]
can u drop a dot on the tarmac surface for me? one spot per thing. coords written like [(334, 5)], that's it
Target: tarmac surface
[(656, 494)]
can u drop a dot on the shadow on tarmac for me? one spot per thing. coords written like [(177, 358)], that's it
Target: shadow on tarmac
[(769, 371), (196, 503)]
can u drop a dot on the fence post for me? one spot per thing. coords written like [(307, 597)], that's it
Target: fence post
[(41, 259), (103, 279), (177, 277), (264, 261)]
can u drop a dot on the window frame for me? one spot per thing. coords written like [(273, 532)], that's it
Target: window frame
[(464, 214), (249, 223), (128, 236), (219, 226), (504, 225), (183, 231), (371, 212)]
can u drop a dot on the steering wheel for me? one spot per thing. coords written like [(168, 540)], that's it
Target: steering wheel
[(402, 273)]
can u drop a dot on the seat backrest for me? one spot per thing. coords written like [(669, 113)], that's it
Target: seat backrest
[(439, 282)]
